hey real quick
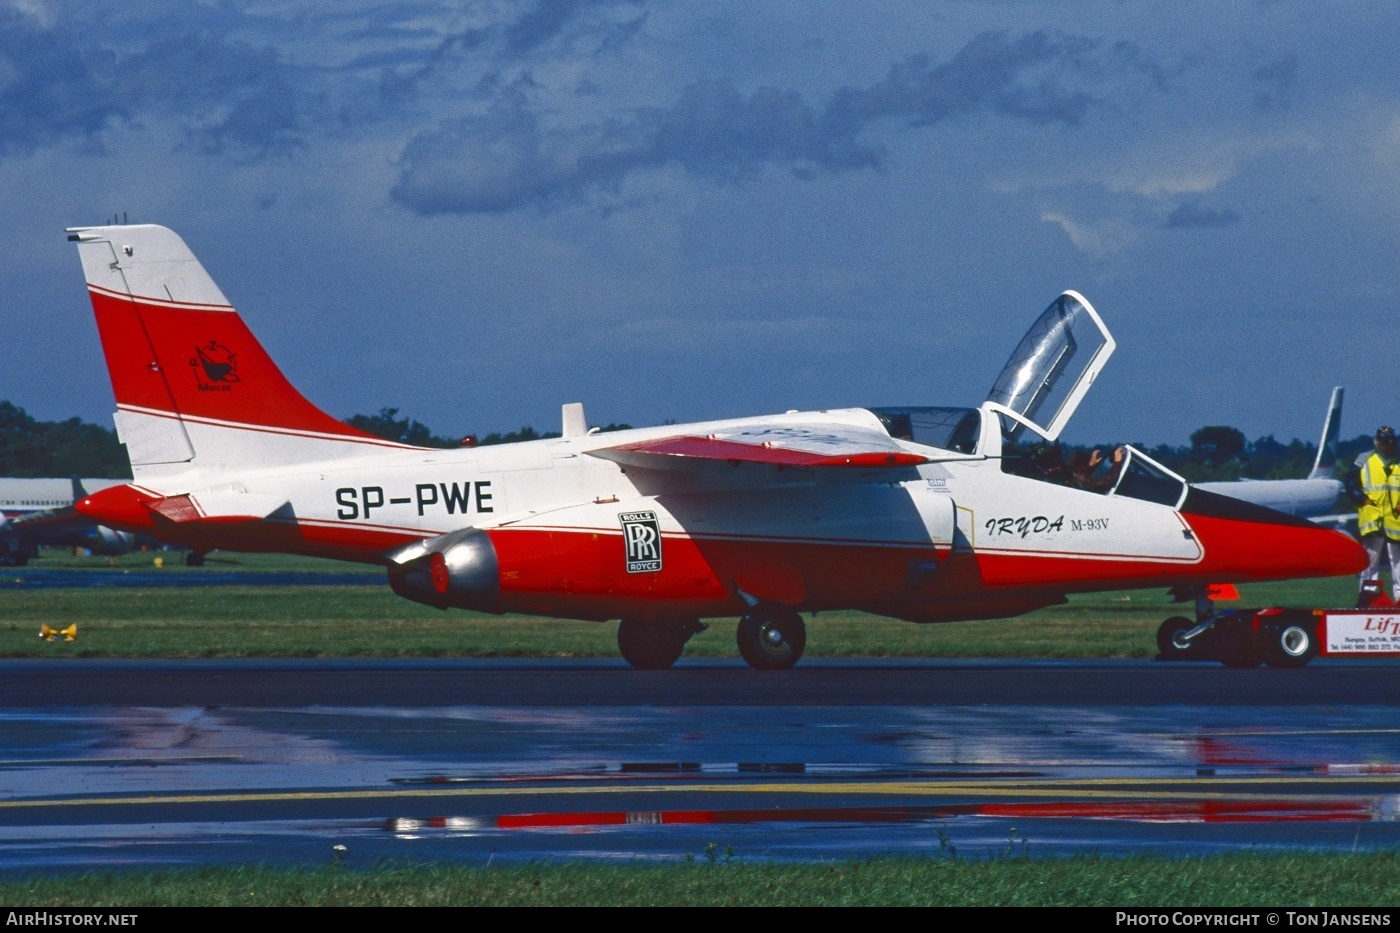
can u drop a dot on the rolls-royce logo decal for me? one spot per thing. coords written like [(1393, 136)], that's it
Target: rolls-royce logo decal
[(642, 535), (214, 367)]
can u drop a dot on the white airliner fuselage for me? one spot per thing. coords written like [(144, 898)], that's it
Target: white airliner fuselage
[(35, 512), (1321, 496)]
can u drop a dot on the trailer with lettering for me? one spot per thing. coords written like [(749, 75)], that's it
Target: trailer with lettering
[(1293, 637)]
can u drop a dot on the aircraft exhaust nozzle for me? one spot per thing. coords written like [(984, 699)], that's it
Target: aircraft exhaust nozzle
[(109, 542), (456, 570)]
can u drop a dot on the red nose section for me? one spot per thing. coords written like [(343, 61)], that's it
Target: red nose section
[(1243, 541)]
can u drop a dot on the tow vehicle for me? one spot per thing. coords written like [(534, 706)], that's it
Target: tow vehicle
[(1284, 637)]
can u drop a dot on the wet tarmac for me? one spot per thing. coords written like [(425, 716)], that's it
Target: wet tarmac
[(123, 782)]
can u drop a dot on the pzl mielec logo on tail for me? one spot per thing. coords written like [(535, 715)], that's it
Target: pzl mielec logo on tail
[(642, 534), (214, 367)]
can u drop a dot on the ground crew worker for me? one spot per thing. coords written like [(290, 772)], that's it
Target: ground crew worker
[(1378, 518)]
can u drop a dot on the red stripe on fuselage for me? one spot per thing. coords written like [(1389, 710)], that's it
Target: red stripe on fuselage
[(712, 448), (583, 573), (367, 439), (551, 571)]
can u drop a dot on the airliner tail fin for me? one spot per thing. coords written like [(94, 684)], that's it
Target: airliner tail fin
[(1323, 466)]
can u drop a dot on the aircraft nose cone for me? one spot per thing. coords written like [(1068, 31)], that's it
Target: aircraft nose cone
[(1338, 553), (1245, 541)]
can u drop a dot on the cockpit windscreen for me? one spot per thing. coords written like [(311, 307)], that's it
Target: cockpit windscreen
[(954, 429)]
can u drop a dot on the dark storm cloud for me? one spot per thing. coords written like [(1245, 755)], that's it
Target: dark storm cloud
[(48, 89), (223, 81), (1194, 214), (233, 97), (540, 23), (1274, 82), (506, 159), (993, 73), (503, 52), (56, 86)]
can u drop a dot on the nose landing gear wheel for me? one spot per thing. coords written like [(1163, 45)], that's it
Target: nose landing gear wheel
[(1172, 646), (772, 639)]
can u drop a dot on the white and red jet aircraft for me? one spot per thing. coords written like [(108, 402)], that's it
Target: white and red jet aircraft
[(925, 514)]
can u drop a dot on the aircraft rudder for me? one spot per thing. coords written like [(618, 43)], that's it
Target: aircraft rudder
[(179, 355)]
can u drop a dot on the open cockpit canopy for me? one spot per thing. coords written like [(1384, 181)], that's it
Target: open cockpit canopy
[(1053, 366)]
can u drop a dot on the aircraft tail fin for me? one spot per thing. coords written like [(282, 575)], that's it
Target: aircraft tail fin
[(1323, 466), (194, 387)]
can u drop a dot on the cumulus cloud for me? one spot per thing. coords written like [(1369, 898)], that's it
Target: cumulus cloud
[(507, 158), (1098, 238)]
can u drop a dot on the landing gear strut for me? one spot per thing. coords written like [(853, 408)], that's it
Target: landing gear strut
[(1180, 639), (1173, 644), (655, 644), (771, 638)]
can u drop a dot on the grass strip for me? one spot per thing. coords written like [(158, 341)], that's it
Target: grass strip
[(1275, 881), (370, 621)]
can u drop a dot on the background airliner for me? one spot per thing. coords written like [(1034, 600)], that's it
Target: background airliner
[(1319, 497), (39, 512)]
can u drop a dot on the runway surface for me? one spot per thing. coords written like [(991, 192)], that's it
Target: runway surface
[(147, 764), (814, 682)]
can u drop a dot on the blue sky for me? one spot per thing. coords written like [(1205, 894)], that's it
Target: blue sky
[(705, 210)]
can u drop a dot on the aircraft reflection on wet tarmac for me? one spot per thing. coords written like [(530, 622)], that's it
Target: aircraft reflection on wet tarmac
[(91, 788)]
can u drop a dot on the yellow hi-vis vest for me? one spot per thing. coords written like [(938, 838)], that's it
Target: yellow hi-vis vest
[(1382, 486)]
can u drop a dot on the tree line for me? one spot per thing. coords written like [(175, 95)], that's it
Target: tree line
[(389, 426), (1220, 452), (29, 447)]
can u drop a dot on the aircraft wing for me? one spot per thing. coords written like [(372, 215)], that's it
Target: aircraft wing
[(63, 526), (1346, 521), (50, 525), (795, 445)]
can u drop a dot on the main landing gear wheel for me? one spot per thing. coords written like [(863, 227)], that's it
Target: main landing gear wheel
[(772, 638), (1288, 646), (1172, 646), (654, 644)]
